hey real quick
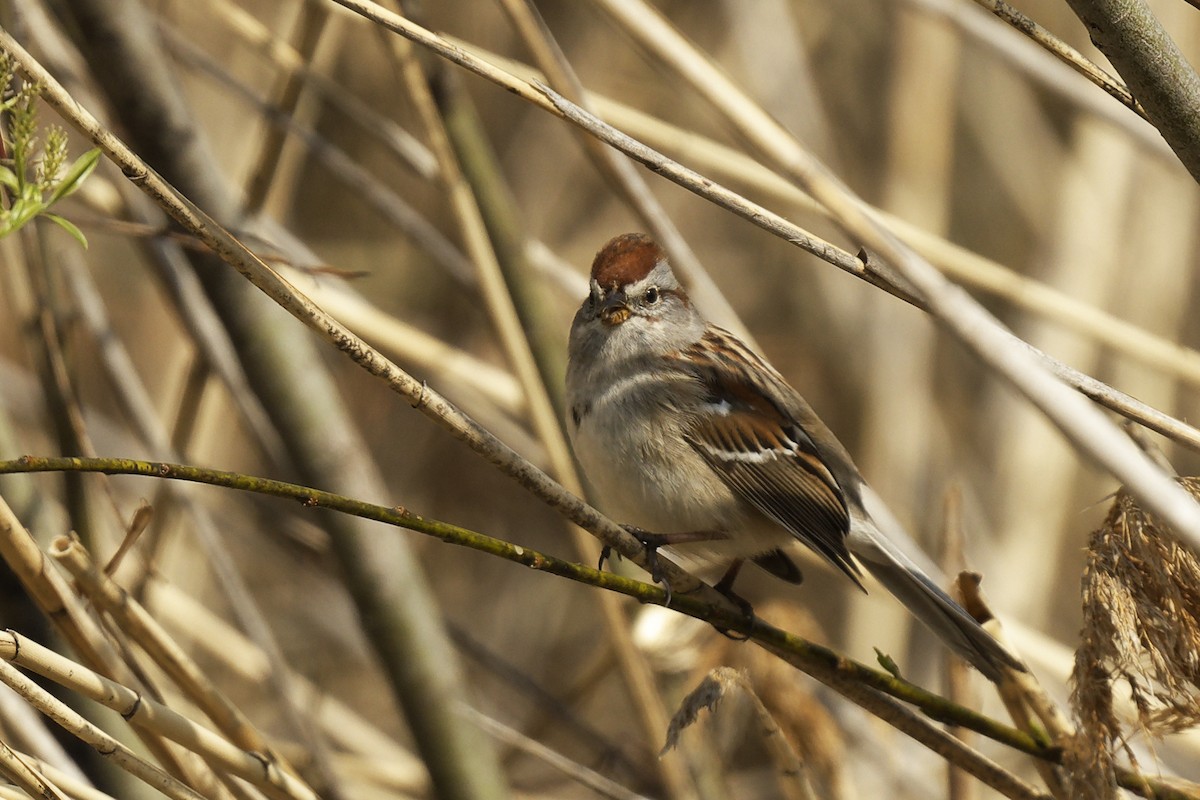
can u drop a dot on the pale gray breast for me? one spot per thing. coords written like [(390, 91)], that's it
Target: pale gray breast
[(629, 438)]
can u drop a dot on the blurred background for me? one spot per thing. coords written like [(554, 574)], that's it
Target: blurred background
[(1070, 220)]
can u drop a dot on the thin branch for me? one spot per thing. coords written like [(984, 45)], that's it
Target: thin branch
[(1080, 422), (270, 283), (719, 613), (858, 682), (1026, 58), (1141, 50), (619, 173), (963, 265), (1065, 53)]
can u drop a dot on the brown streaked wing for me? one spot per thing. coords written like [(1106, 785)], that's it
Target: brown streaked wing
[(766, 457)]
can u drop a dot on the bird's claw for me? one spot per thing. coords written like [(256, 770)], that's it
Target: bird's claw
[(651, 542), (605, 556)]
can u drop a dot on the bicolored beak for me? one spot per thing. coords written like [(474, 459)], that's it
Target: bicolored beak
[(614, 311)]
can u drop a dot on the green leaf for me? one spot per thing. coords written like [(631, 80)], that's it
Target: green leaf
[(76, 174), (69, 227), (8, 179)]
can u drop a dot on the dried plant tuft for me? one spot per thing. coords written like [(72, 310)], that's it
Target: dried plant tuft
[(1141, 626), (803, 718)]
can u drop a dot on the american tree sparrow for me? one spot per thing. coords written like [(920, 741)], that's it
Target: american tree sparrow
[(683, 431)]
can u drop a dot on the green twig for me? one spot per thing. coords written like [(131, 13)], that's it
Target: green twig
[(807, 652), (797, 650)]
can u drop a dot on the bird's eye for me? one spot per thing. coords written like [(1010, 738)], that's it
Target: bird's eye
[(651, 296)]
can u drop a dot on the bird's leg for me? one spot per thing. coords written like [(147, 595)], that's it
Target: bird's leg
[(725, 588), (653, 541)]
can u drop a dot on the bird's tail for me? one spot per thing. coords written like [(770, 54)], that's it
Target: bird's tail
[(912, 586)]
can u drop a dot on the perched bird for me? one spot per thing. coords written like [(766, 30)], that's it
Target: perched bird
[(689, 436)]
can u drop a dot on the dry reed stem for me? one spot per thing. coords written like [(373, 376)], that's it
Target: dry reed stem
[(142, 628), (100, 741), (1023, 696), (966, 266), (74, 786), (959, 684), (735, 167), (141, 710), (423, 398), (196, 625), (499, 298), (1088, 430), (18, 770)]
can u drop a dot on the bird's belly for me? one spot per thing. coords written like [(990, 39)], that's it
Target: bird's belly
[(661, 484)]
